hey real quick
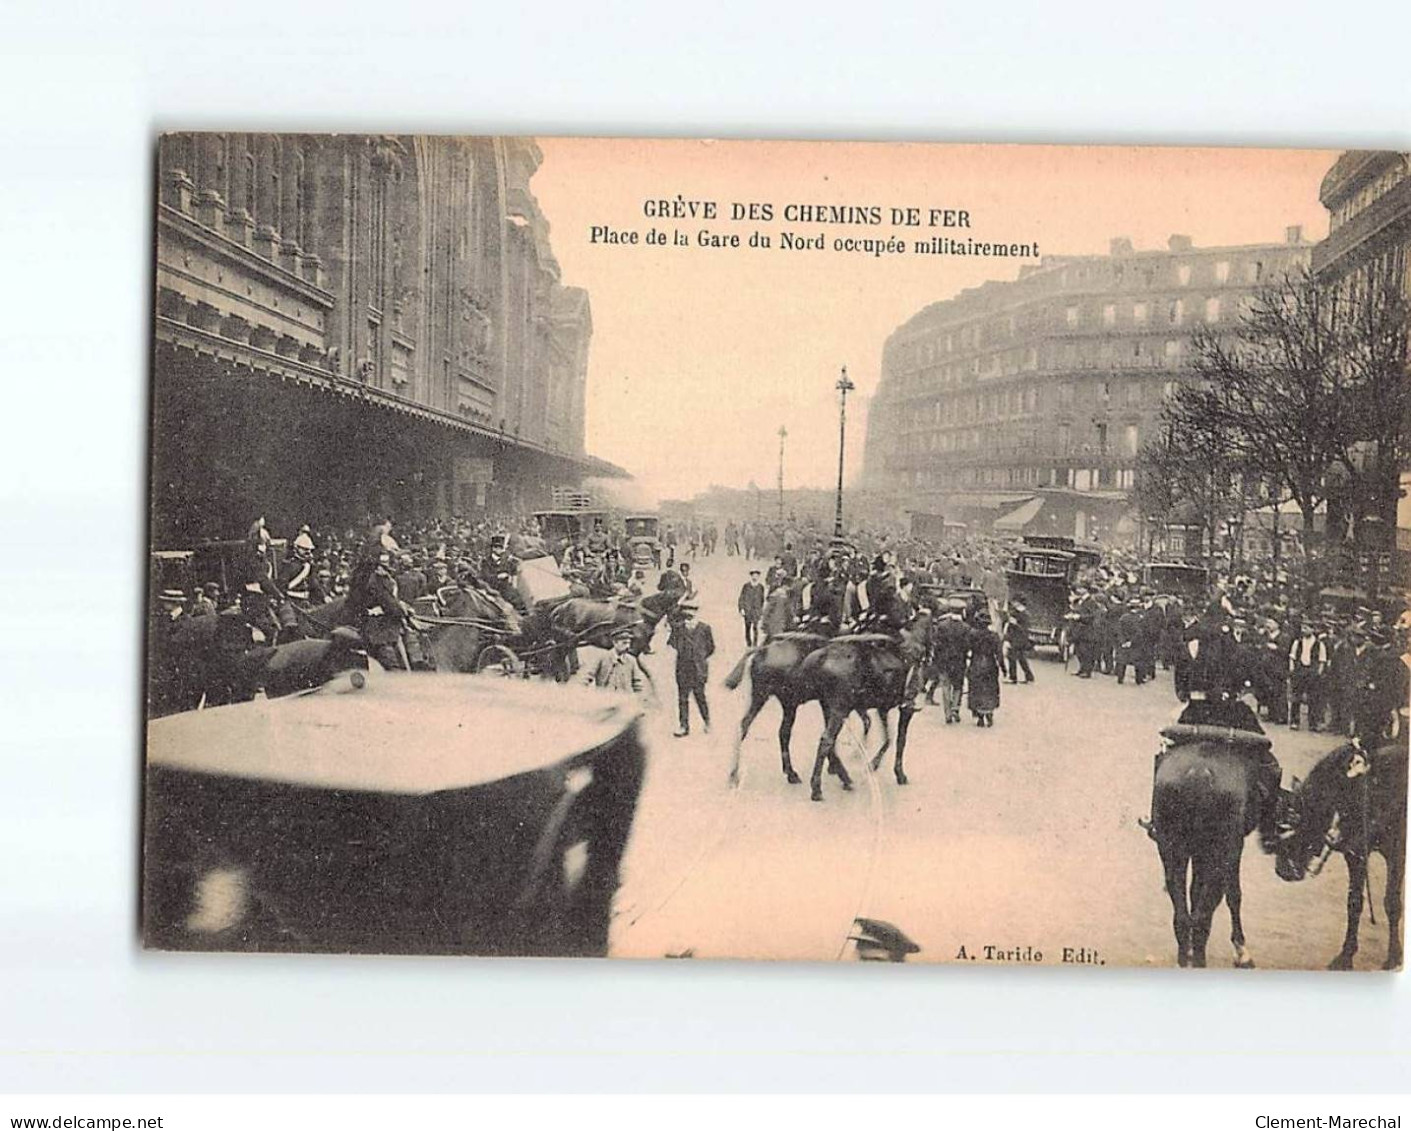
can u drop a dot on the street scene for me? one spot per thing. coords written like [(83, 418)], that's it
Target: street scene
[(1068, 628)]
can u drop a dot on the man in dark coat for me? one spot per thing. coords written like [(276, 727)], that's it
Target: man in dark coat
[(1218, 673), (1016, 636), (1086, 642), (1379, 687), (1129, 627), (377, 607), (750, 604), (1186, 633), (695, 644), (499, 570), (950, 648), (1148, 637)]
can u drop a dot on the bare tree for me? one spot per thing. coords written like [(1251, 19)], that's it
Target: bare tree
[(1277, 389), (1373, 358)]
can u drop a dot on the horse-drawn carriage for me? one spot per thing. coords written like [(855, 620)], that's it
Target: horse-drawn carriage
[(644, 537), (1043, 579)]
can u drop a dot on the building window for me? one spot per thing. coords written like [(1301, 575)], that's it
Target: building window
[(1222, 271), (1065, 438), (1212, 310), (1071, 315), (1178, 312), (299, 219), (1130, 437), (1109, 315), (1183, 274), (1065, 395), (247, 196), (1134, 394), (1139, 313), (1173, 351)]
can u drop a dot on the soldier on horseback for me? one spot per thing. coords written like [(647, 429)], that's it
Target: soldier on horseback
[(380, 615), (1216, 677)]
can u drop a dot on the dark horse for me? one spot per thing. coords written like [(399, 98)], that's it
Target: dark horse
[(1353, 803), (773, 669), (1205, 802), (858, 673)]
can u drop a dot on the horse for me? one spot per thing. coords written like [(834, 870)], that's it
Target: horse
[(861, 672), (213, 660), (1353, 803), (1205, 801), (773, 668)]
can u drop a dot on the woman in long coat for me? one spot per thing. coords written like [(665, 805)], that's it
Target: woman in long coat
[(982, 672)]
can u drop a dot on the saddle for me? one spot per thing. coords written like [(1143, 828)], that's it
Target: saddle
[(1182, 734), (865, 638)]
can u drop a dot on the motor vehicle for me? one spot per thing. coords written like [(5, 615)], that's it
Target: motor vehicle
[(565, 526), (1186, 580), (1043, 579), (644, 537), (1087, 554)]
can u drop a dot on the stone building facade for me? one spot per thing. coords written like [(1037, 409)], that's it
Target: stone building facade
[(356, 324), (1368, 197), (1048, 384)]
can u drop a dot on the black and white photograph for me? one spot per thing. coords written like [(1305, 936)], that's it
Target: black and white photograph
[(823, 551)]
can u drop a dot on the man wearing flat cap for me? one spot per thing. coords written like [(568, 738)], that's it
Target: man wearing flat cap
[(619, 670)]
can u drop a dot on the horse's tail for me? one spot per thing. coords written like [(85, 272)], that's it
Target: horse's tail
[(737, 673)]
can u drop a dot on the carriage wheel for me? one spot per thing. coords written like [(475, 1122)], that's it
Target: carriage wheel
[(497, 659), (1063, 648)]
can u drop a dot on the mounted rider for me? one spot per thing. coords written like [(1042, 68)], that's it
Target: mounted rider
[(1215, 711), (255, 578), (380, 614)]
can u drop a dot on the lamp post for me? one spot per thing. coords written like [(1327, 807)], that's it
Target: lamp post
[(783, 435), (844, 387)]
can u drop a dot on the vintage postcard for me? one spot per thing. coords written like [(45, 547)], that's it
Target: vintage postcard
[(990, 555)]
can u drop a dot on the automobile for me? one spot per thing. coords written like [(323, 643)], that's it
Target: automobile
[(976, 601), (562, 527), (188, 569), (1087, 554), (1180, 579), (644, 537), (1043, 579)]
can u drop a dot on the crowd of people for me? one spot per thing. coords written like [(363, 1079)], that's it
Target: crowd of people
[(1302, 664)]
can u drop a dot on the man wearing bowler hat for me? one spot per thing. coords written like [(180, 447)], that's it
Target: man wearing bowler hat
[(751, 606), (695, 644)]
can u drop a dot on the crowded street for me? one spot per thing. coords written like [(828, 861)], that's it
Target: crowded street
[(1021, 838)]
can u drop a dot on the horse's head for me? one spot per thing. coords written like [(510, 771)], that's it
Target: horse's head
[(1305, 817)]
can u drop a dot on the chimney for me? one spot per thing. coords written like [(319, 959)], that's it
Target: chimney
[(1179, 243), (1119, 245), (1293, 233)]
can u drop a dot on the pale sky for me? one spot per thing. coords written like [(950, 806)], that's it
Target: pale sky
[(699, 355)]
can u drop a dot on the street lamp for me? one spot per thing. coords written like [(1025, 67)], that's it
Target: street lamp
[(783, 435), (844, 387)]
